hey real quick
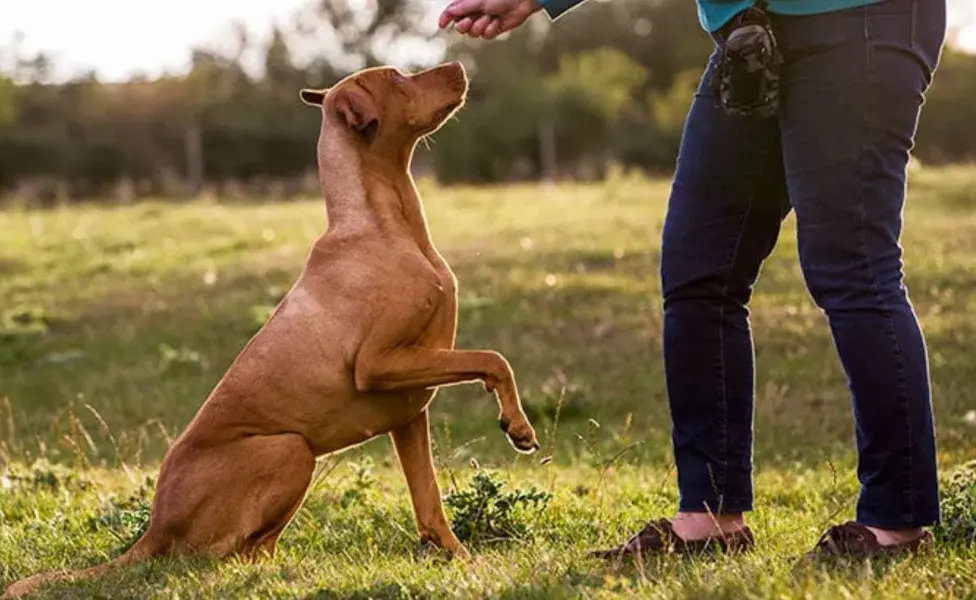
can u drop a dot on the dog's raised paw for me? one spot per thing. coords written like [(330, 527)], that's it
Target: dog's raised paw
[(522, 436), (525, 445)]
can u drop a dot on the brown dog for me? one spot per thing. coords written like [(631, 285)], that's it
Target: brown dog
[(356, 348)]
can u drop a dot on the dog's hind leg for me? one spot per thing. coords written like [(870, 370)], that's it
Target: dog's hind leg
[(235, 498), (231, 498), (289, 462), (412, 442)]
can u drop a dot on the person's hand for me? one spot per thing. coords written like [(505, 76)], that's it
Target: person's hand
[(487, 18)]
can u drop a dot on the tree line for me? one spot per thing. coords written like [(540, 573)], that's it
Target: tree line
[(608, 85)]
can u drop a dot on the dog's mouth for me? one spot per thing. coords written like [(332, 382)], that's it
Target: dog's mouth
[(445, 113)]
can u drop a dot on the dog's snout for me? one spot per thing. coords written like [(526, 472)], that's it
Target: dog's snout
[(455, 75)]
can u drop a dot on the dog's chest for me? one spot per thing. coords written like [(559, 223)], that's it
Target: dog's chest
[(442, 329)]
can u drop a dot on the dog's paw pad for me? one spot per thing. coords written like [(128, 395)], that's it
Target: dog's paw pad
[(526, 445), (522, 437)]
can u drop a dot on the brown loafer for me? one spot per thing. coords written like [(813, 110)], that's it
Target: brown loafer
[(853, 540), (658, 537)]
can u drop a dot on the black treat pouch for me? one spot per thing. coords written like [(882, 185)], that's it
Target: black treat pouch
[(747, 77)]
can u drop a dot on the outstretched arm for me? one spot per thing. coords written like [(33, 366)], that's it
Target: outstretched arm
[(490, 18)]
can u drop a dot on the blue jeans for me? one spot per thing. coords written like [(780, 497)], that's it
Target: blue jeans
[(837, 154)]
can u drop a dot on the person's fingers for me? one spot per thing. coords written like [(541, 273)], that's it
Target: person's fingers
[(478, 29), (459, 9), (464, 25), (493, 29)]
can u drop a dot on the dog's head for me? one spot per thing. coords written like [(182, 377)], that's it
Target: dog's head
[(383, 108)]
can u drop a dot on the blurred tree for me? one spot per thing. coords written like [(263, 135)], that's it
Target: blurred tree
[(587, 81), (8, 109), (652, 140), (612, 82), (947, 129), (591, 92), (497, 137), (280, 72), (356, 36)]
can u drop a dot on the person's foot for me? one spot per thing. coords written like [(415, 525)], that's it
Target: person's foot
[(688, 533), (700, 526), (853, 540), (895, 537)]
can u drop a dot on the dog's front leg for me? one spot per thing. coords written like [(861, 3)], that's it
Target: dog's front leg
[(412, 442), (415, 368), (391, 359)]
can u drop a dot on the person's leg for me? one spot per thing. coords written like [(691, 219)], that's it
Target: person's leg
[(852, 93), (727, 203)]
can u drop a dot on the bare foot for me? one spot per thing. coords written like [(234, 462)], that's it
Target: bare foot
[(691, 526), (892, 537)]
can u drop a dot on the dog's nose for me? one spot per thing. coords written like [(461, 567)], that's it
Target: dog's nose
[(456, 75), (457, 67)]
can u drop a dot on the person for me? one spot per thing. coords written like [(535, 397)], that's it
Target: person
[(836, 152)]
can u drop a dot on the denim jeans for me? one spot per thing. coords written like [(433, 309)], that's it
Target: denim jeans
[(836, 154)]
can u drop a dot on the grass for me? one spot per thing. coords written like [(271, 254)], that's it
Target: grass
[(116, 322)]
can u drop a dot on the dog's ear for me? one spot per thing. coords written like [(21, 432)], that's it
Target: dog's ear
[(358, 112), (313, 97)]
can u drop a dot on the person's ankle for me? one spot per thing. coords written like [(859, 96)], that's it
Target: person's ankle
[(691, 526), (891, 537)]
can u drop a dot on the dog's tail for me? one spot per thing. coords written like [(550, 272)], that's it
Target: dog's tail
[(143, 549)]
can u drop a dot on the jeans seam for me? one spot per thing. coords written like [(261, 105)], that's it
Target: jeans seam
[(721, 321), (862, 214)]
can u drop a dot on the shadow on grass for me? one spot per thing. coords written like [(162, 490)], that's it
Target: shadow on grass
[(379, 591), (846, 570), (131, 581), (566, 586), (582, 329)]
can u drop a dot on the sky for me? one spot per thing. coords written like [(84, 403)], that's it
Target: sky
[(118, 38)]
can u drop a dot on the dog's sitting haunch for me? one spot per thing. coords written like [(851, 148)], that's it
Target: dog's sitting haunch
[(356, 349)]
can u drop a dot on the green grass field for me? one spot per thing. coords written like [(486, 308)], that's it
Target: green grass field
[(117, 322)]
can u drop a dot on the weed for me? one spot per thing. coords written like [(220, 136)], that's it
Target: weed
[(127, 519), (42, 475), (363, 482), (958, 524), (483, 512)]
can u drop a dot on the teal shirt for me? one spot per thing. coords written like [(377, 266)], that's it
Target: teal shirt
[(713, 14)]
